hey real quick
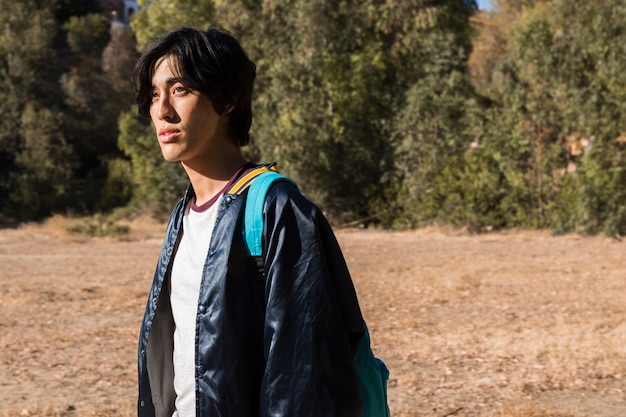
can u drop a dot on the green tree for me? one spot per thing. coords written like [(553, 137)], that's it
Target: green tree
[(332, 74), (51, 67), (44, 162), (157, 17), (27, 78), (87, 92), (87, 35), (65, 9), (321, 102), (432, 125), (157, 184), (118, 61), (93, 100), (601, 191), (562, 82)]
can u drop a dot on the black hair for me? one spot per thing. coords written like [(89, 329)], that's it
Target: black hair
[(211, 62)]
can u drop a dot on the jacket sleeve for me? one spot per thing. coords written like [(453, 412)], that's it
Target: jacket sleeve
[(313, 323)]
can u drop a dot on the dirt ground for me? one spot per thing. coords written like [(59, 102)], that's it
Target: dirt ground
[(519, 324)]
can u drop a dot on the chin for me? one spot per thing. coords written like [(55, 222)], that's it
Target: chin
[(171, 158), (171, 155)]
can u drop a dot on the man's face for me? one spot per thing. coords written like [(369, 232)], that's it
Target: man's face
[(187, 127)]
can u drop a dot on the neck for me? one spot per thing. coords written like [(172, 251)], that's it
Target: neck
[(210, 177)]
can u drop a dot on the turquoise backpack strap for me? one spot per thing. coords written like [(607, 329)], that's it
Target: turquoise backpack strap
[(253, 215), (258, 180)]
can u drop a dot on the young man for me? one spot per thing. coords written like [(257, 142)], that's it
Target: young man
[(217, 339)]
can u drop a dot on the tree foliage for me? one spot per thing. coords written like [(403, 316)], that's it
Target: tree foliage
[(403, 113), (332, 74), (45, 161), (26, 69), (431, 127), (59, 125), (561, 83), (157, 17), (157, 184)]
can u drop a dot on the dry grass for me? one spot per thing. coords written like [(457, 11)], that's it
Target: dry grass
[(69, 411), (518, 324)]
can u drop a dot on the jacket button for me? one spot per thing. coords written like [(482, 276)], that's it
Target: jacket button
[(169, 250), (202, 309), (154, 300), (228, 199), (200, 369), (142, 403)]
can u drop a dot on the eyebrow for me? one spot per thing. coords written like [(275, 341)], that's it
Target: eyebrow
[(172, 81)]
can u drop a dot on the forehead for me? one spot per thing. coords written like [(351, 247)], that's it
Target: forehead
[(166, 71)]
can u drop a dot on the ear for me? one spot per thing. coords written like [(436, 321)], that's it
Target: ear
[(228, 108)]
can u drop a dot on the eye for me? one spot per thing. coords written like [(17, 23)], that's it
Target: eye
[(179, 89)]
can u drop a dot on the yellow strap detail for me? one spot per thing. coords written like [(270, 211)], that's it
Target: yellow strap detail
[(245, 181)]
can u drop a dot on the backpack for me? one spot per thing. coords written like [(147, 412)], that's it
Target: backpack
[(371, 372)]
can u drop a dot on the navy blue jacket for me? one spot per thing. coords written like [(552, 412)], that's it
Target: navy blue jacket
[(278, 344)]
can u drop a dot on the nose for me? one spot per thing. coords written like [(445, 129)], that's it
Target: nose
[(162, 108)]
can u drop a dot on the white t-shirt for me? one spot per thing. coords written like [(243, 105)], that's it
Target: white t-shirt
[(198, 224)]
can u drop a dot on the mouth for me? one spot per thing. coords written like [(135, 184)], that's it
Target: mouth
[(168, 134)]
